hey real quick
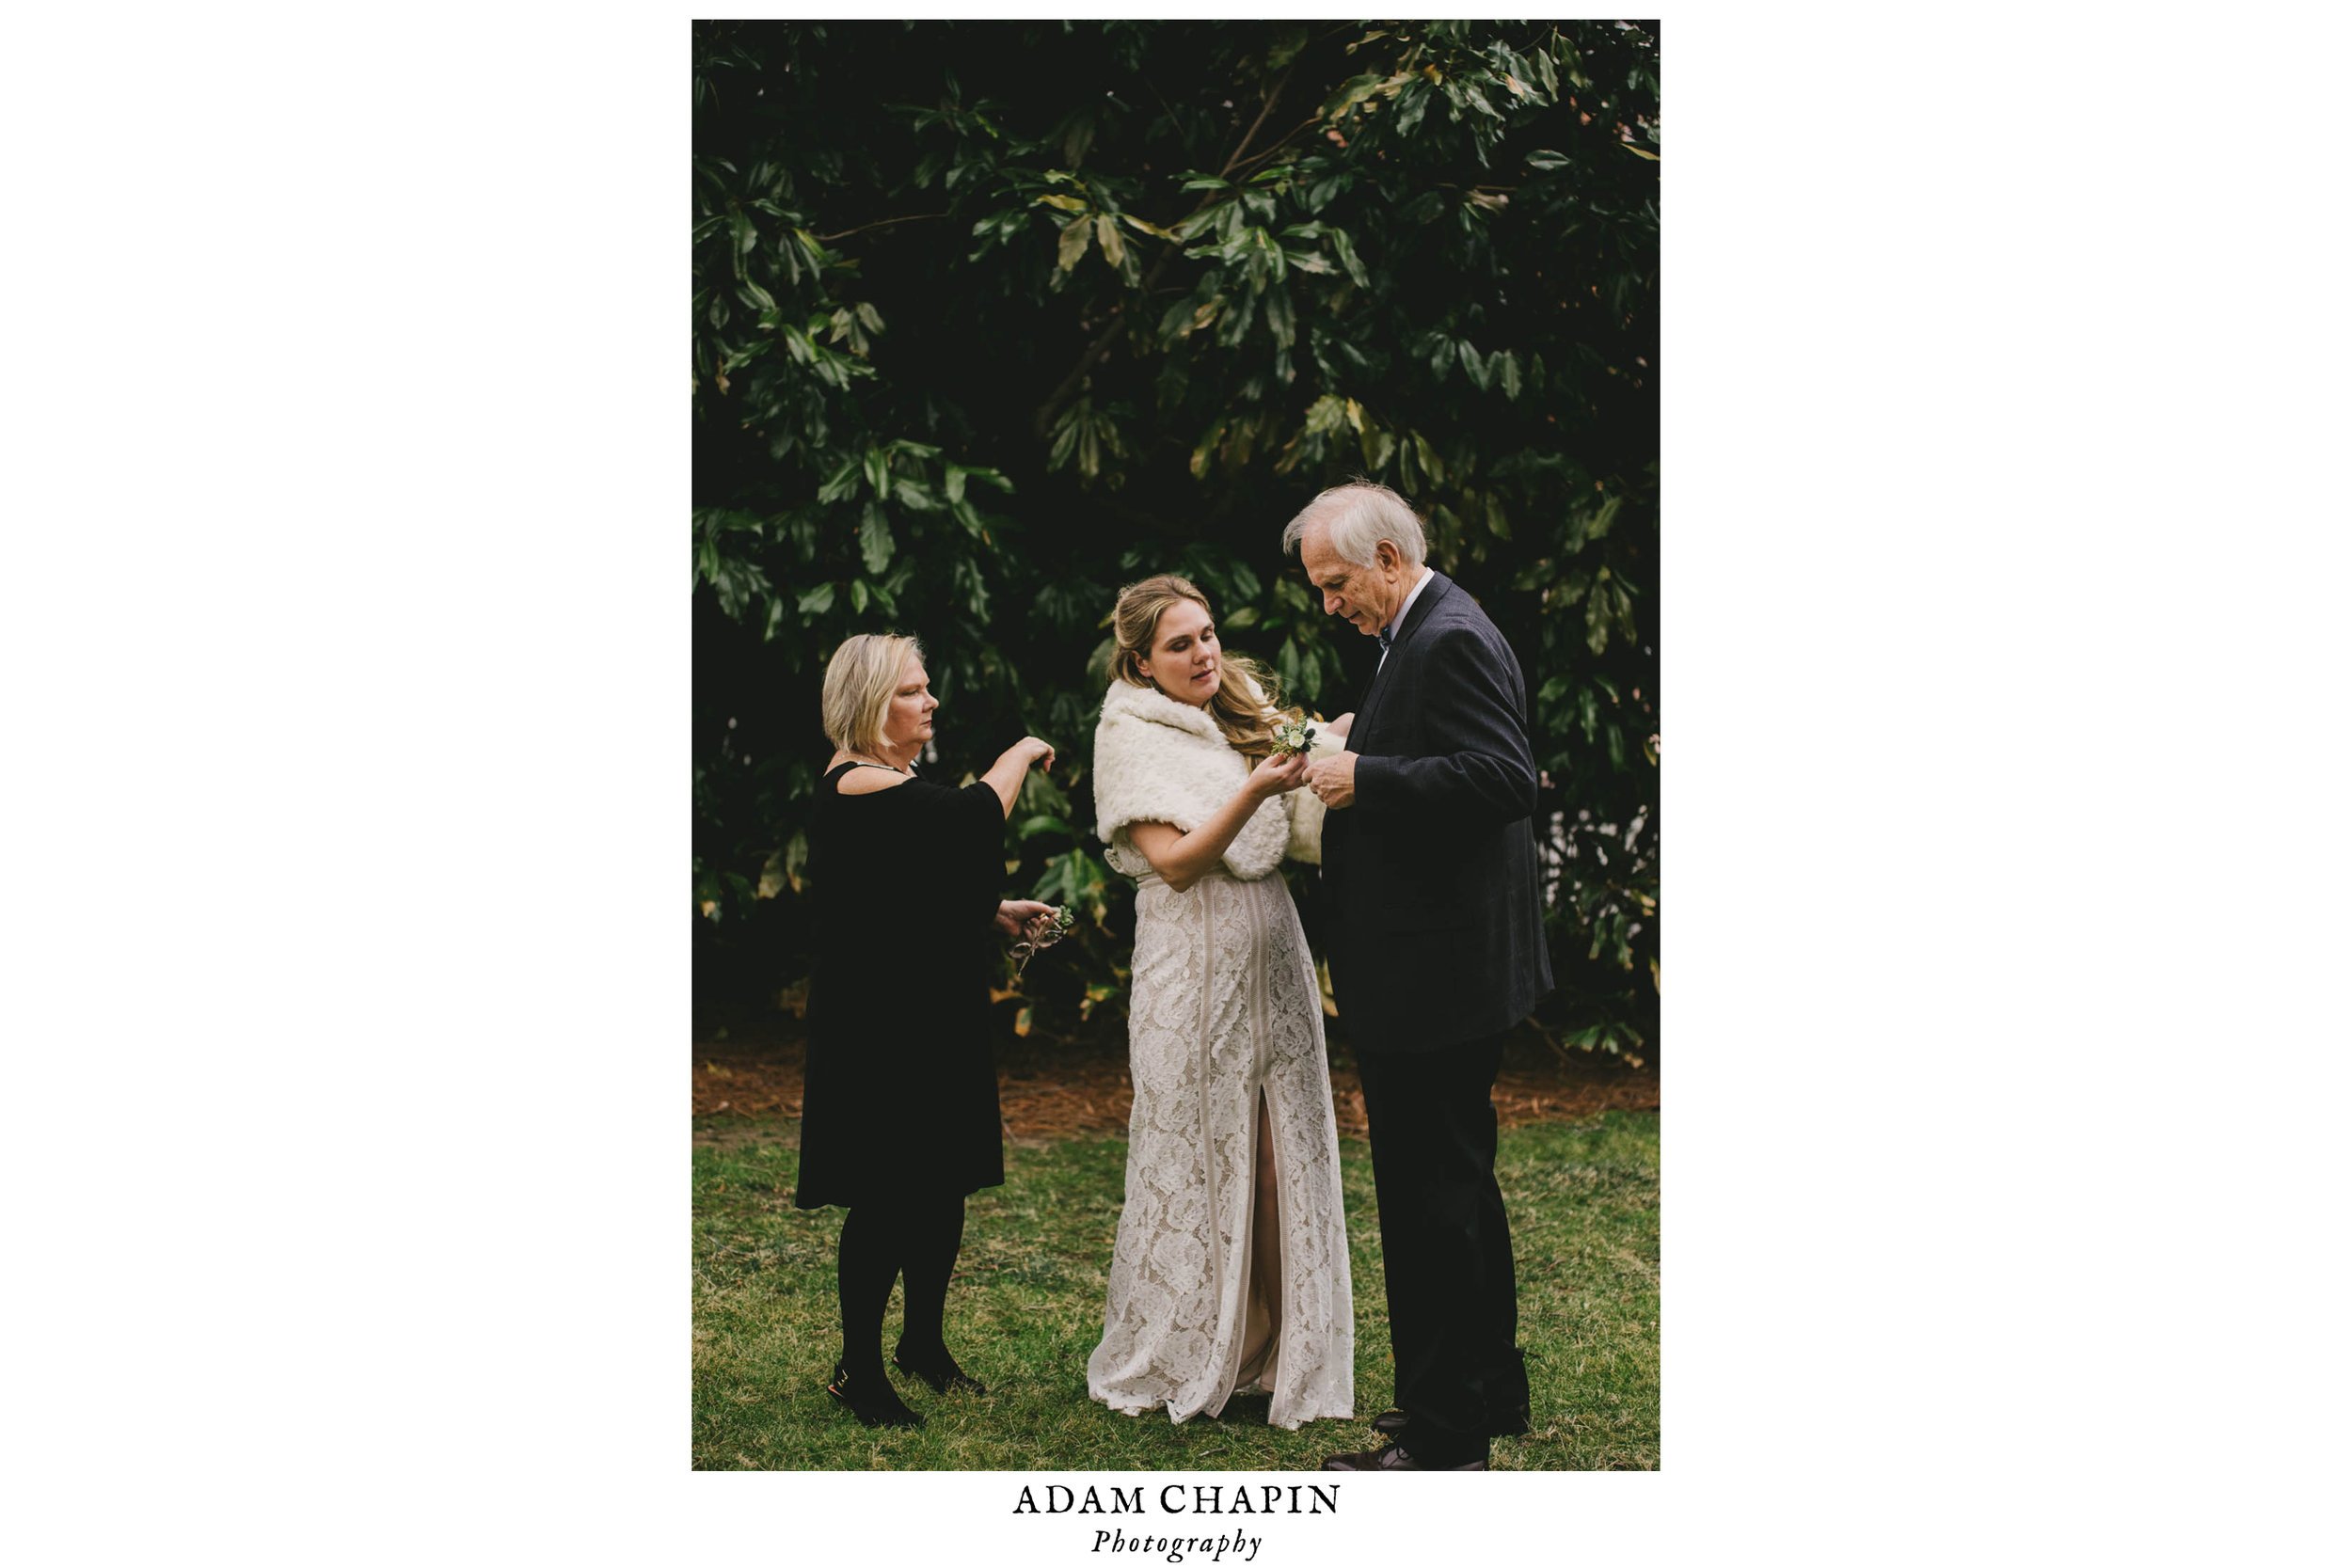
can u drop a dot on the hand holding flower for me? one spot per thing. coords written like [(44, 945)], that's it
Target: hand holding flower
[(1016, 915), (1044, 930), (1278, 774)]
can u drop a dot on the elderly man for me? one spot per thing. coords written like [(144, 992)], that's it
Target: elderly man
[(1437, 949)]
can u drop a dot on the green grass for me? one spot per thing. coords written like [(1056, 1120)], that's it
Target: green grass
[(1026, 1308)]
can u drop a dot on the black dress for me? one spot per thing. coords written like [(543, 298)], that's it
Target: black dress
[(900, 1099)]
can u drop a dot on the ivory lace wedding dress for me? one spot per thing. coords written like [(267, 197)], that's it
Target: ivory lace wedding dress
[(1225, 1024)]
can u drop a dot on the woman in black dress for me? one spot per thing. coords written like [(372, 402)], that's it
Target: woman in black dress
[(899, 1120)]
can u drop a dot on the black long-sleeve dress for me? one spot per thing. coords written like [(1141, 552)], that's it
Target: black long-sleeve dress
[(900, 1097)]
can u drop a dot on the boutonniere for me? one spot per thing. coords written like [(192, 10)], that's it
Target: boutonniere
[(1297, 736)]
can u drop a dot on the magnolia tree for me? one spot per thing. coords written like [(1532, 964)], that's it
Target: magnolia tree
[(990, 318)]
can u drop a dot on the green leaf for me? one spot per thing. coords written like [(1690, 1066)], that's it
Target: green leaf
[(839, 482), (1598, 524), (1410, 104), (817, 601), (1107, 235), (1278, 316), (1473, 365), (874, 541), (1344, 248), (1073, 244), (858, 594), (1351, 93)]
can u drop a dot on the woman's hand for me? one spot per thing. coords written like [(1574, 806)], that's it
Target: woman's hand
[(1033, 753), (1014, 915), (1277, 775)]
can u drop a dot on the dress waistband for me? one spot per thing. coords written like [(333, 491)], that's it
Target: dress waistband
[(1220, 875)]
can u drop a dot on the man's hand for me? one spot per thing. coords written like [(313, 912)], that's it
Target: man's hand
[(1014, 914), (1333, 778), (1341, 725)]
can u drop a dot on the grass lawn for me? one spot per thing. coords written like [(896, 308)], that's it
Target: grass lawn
[(1026, 1308)]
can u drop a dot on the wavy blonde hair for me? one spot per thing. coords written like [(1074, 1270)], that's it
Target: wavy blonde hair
[(1247, 724), (859, 683)]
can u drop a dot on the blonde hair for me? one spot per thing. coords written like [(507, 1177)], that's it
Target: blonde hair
[(859, 683), (1247, 703)]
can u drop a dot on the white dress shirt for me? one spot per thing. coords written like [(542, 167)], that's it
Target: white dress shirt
[(1404, 610)]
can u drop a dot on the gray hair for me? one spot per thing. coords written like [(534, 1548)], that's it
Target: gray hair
[(1359, 516), (859, 684)]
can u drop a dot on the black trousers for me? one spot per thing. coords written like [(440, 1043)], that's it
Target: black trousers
[(1445, 1244)]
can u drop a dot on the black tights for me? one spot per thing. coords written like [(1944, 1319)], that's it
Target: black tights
[(881, 1240)]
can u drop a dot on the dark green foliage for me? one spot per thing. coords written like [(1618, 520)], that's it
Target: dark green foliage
[(991, 318)]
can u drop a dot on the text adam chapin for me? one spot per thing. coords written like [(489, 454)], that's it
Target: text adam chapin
[(1177, 1498)]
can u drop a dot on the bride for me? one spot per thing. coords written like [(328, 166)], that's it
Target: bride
[(1230, 1273)]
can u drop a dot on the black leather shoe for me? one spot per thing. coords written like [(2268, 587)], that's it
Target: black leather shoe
[(941, 1373), (872, 1401), (1393, 1457), (1392, 1423)]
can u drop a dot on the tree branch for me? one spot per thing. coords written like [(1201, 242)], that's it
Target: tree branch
[(1265, 109), (1304, 124), (884, 223)]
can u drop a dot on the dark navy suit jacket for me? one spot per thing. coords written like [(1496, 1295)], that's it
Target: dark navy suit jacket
[(1437, 931)]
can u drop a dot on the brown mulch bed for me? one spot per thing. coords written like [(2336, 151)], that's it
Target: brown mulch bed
[(1054, 1091)]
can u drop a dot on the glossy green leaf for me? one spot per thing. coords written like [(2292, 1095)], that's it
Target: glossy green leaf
[(875, 544)]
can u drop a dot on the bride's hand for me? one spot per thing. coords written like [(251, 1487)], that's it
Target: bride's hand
[(1277, 775)]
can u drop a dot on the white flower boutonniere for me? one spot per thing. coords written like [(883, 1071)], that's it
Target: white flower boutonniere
[(1297, 735)]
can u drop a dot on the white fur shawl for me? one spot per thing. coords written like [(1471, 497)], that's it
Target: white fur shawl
[(1159, 760)]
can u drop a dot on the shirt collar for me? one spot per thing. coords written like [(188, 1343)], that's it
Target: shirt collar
[(1388, 633)]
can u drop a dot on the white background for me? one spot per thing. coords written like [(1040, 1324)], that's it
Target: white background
[(346, 620)]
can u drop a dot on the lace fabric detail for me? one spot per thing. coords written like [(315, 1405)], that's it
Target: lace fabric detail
[(1224, 1006)]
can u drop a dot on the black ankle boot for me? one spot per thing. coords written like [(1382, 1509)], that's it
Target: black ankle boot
[(936, 1368), (871, 1400)]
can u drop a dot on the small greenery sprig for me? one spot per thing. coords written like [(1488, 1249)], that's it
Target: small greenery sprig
[(1043, 931)]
